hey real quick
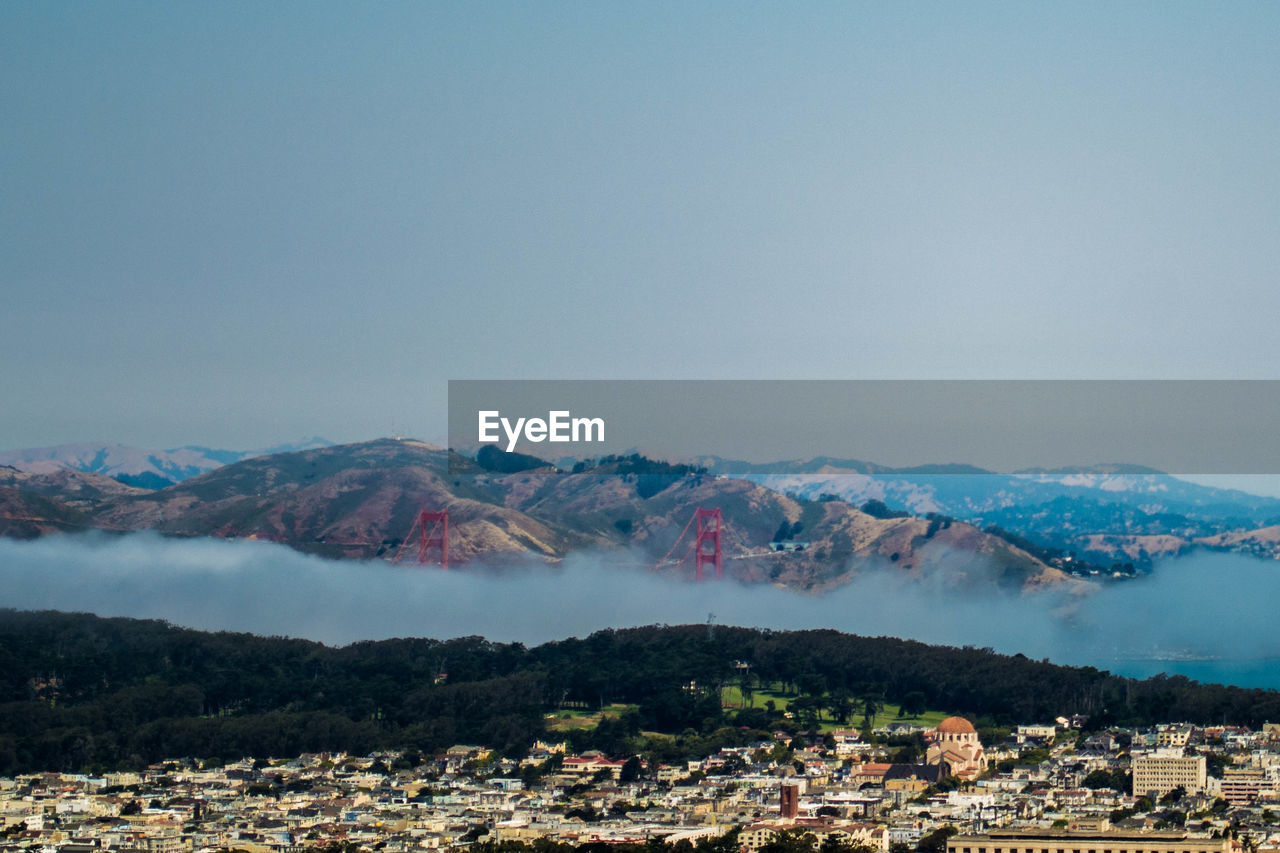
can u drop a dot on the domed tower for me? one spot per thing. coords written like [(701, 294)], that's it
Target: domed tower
[(955, 746)]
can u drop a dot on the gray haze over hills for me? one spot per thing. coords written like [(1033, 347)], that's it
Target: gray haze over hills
[(1170, 621), (227, 223)]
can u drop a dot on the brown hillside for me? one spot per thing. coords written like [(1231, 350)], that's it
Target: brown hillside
[(360, 500)]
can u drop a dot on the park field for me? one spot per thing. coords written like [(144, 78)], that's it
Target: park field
[(731, 699), (566, 720)]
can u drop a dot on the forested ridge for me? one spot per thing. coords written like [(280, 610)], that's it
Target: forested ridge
[(82, 692)]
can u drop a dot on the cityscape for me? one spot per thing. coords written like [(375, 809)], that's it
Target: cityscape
[(1047, 785)]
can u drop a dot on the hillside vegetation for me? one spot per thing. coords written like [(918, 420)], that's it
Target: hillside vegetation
[(81, 692)]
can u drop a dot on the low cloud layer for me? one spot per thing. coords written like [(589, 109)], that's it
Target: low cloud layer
[(1191, 609)]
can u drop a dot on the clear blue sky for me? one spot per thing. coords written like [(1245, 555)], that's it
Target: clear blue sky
[(241, 223)]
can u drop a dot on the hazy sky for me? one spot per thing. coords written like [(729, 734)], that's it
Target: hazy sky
[(241, 223)]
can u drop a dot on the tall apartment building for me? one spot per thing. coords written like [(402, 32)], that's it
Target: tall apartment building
[(1158, 774)]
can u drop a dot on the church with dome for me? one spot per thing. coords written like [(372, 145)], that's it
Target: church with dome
[(955, 749)]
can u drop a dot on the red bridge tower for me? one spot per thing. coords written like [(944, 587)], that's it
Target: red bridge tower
[(432, 531), (706, 549)]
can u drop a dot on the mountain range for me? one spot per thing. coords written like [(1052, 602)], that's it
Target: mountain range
[(150, 469), (360, 501), (1101, 514), (809, 524)]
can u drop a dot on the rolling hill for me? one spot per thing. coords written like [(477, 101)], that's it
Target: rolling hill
[(1103, 513), (151, 469), (359, 501)]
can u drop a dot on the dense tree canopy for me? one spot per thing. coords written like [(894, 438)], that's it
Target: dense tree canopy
[(78, 692)]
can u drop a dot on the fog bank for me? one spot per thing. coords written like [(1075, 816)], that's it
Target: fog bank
[(1190, 611)]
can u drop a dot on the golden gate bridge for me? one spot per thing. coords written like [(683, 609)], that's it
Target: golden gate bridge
[(430, 532)]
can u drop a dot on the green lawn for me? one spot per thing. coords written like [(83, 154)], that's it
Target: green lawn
[(559, 721), (731, 699)]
